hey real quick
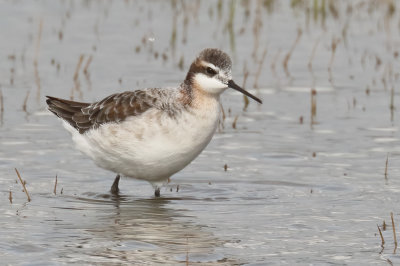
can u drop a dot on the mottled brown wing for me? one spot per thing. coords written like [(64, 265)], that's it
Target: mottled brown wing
[(114, 108)]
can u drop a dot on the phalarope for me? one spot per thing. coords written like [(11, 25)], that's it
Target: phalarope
[(153, 133)]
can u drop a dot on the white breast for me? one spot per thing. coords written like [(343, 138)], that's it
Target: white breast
[(152, 146)]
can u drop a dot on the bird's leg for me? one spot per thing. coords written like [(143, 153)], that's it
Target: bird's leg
[(114, 187), (157, 192)]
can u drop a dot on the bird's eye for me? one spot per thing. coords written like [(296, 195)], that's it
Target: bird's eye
[(211, 71)]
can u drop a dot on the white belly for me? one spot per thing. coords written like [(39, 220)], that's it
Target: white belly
[(152, 146)]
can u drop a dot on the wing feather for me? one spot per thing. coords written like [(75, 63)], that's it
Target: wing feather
[(114, 108)]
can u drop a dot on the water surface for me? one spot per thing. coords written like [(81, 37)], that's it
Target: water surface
[(293, 192)]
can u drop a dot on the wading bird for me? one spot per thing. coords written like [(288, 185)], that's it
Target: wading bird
[(153, 133)]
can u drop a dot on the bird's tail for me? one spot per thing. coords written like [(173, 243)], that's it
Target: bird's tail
[(65, 109)]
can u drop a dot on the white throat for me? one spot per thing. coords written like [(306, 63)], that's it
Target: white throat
[(208, 84)]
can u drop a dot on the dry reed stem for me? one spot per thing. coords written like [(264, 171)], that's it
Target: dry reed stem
[(260, 65), (382, 239), (10, 197), (37, 81), (235, 121), (86, 67), (392, 104), (25, 102), (36, 59), (76, 87), (86, 72), (386, 166), (394, 233), (38, 40), (181, 63), (229, 25), (363, 58), (185, 26), (23, 185), (314, 50), (313, 106), (256, 29), (174, 32), (246, 75), (77, 84), (335, 42), (12, 76), (289, 54), (78, 66), (55, 187), (274, 60), (222, 121)]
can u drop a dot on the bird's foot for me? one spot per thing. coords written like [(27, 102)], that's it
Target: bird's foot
[(114, 187)]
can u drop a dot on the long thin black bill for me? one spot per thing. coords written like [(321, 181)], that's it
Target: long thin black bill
[(234, 86)]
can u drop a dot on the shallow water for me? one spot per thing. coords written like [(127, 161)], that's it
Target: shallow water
[(293, 193)]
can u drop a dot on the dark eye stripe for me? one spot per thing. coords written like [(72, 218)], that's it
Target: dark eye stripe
[(211, 71)]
